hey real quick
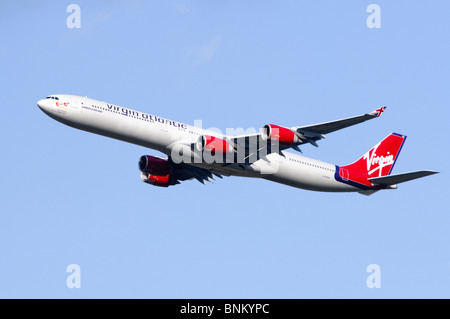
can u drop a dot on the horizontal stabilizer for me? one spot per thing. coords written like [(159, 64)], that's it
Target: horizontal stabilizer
[(400, 178)]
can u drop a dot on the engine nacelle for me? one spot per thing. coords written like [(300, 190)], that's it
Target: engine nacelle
[(155, 180), (284, 135), (154, 165), (213, 144)]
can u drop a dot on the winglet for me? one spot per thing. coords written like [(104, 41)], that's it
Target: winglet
[(378, 111)]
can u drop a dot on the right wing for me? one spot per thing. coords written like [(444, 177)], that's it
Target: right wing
[(315, 132), (249, 148), (302, 134)]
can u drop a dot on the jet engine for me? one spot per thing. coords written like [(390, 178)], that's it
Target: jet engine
[(284, 135), (155, 171), (154, 165), (156, 180), (213, 144)]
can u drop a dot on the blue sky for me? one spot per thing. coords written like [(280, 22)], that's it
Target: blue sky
[(71, 197)]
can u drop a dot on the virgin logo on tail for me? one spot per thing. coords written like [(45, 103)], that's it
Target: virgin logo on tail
[(377, 162), (372, 159)]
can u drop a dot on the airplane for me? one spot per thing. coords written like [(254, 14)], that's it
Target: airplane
[(196, 153)]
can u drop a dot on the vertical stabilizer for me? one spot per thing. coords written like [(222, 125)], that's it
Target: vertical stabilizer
[(377, 162)]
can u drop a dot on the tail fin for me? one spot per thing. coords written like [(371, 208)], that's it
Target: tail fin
[(377, 162)]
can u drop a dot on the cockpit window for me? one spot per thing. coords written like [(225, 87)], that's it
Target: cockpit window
[(52, 97)]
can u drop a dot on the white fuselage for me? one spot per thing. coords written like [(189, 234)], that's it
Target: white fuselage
[(161, 134)]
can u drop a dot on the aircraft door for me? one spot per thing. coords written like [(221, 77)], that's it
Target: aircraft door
[(343, 173)]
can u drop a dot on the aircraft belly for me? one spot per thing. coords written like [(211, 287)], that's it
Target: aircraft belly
[(307, 177)]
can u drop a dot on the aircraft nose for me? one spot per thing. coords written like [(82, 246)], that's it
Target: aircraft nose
[(43, 104)]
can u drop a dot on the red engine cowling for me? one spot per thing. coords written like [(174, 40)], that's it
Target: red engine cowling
[(283, 135), (154, 165), (214, 144), (155, 180)]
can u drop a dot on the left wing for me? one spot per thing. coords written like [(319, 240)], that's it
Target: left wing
[(183, 171), (165, 172)]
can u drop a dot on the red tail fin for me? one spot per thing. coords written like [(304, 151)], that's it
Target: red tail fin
[(377, 162)]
